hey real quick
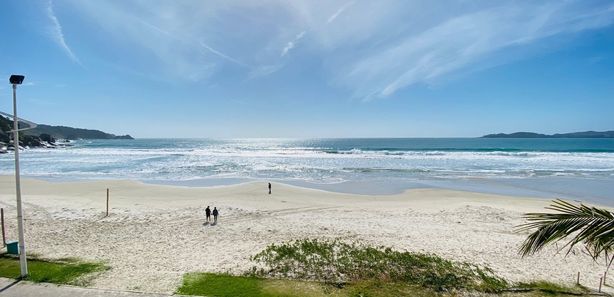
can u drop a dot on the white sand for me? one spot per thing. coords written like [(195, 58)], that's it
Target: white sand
[(155, 234)]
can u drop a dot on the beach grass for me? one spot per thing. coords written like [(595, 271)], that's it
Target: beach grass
[(62, 271), (316, 268), (339, 263), (311, 268), (552, 289)]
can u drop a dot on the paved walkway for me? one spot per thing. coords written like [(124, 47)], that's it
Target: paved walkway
[(11, 287)]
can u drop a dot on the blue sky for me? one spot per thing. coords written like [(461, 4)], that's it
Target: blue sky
[(311, 68)]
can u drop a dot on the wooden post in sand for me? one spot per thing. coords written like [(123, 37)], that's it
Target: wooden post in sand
[(578, 280), (600, 281), (107, 202), (3, 232)]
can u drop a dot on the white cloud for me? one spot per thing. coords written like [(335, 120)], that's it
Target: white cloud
[(222, 55), (464, 40), (339, 12), (58, 35), (376, 49), (291, 44), (264, 71)]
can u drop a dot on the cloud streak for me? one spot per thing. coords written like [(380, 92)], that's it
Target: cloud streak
[(375, 50), (291, 44), (58, 35), (222, 55), (339, 12), (264, 71), (462, 41)]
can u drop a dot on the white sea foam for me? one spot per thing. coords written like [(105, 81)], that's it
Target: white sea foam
[(188, 160)]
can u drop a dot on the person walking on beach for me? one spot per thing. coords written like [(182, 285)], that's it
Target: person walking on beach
[(208, 213), (269, 188), (215, 213)]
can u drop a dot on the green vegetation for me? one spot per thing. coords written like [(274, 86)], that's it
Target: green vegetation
[(62, 132), (548, 288), (64, 271), (335, 262), (220, 285), (224, 285), (316, 268), (48, 133), (589, 226), (6, 126)]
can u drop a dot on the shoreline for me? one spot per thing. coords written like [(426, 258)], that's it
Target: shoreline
[(249, 183), (567, 188), (156, 233)]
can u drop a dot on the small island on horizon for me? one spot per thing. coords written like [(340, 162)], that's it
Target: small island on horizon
[(586, 134)]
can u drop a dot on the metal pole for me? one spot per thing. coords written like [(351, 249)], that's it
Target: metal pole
[(22, 245), (3, 230)]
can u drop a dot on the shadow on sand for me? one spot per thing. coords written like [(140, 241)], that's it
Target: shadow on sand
[(10, 285)]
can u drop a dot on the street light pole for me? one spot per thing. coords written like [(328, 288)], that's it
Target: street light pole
[(23, 265)]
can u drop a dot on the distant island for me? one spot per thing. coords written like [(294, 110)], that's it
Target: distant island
[(46, 135), (587, 134), (63, 132)]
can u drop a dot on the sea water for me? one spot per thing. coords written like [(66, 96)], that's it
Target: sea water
[(565, 168)]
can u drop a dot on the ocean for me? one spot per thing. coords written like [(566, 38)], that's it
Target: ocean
[(550, 168)]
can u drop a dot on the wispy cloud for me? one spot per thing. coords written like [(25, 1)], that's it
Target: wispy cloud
[(370, 49), (58, 35), (264, 71), (291, 44), (462, 41), (339, 12), (222, 55)]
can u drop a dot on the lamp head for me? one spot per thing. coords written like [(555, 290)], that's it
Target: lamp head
[(16, 79)]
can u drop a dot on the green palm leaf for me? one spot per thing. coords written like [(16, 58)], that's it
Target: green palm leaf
[(591, 226)]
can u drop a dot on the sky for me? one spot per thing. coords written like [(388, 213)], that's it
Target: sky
[(238, 68)]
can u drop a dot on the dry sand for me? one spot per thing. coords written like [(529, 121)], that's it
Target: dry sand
[(155, 233)]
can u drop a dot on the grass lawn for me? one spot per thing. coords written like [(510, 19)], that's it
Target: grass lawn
[(65, 271), (224, 285)]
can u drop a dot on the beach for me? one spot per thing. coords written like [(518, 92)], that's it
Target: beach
[(156, 233), (546, 168), (407, 144)]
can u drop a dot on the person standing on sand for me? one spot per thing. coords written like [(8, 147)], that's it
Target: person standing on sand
[(208, 213), (215, 213), (269, 188)]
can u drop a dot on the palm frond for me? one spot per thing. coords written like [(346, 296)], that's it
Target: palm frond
[(582, 224)]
